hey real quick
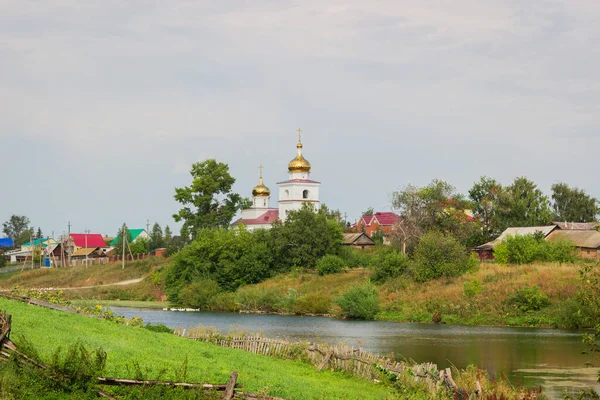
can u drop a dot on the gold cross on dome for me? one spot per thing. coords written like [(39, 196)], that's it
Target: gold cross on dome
[(261, 168), (299, 132)]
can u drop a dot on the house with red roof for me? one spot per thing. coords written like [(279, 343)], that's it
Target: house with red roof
[(86, 244), (382, 222)]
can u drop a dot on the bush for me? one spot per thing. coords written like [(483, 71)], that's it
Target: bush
[(529, 298), (389, 265), (472, 288), (360, 302), (256, 298), (330, 264), (438, 254), (160, 328), (199, 294), (354, 258), (2, 261), (313, 303), (525, 249), (573, 315)]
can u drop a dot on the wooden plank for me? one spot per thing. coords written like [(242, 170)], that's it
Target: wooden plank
[(325, 360), (230, 389)]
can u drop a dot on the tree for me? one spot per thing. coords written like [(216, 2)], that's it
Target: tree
[(156, 240), (138, 246), (17, 228), (525, 205), (487, 197), (369, 211), (573, 204), (168, 235), (39, 234), (208, 202), (305, 237), (120, 243), (436, 206)]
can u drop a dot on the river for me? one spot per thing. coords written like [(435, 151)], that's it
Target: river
[(550, 358)]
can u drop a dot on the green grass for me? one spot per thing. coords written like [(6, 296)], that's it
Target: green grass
[(48, 329)]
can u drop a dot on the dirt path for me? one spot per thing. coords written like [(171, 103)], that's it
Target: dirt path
[(122, 283)]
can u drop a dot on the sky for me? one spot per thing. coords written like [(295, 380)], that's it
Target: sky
[(106, 104)]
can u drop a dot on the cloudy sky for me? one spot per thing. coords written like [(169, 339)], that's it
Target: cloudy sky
[(106, 104)]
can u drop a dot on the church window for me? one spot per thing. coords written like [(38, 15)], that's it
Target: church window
[(305, 194), (287, 194), (264, 203)]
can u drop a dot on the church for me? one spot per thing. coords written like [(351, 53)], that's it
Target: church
[(294, 191)]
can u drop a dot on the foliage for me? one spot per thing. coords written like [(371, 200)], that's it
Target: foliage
[(360, 302), (525, 205), (583, 394), (305, 237), (487, 197), (199, 294), (525, 249), (330, 264), (529, 298), (120, 243), (17, 228), (436, 206), (369, 211), (354, 257), (78, 366), (312, 303), (160, 328), (2, 261), (208, 202), (439, 254), (573, 204), (156, 240), (472, 288), (230, 257), (389, 264), (139, 246)]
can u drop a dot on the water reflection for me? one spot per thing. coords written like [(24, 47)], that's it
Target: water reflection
[(527, 356)]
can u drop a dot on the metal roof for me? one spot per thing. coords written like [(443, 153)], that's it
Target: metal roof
[(84, 251), (519, 231), (352, 238), (588, 239), (584, 226)]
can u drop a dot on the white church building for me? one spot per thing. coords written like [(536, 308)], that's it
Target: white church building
[(297, 189)]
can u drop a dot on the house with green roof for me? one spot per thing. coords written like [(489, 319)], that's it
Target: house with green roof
[(135, 234)]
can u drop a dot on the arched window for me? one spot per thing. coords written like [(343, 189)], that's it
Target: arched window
[(287, 194), (305, 194)]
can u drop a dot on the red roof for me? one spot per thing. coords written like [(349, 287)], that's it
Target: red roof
[(267, 218), (93, 240), (367, 219), (386, 218)]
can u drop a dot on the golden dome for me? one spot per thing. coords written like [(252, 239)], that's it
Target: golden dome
[(299, 163), (261, 190)]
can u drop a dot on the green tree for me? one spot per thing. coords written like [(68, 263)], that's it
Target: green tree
[(39, 234), (184, 235), (369, 211), (120, 243), (525, 205), (208, 202), (487, 197), (156, 240), (436, 206), (17, 228), (440, 254), (305, 237), (573, 204), (139, 246)]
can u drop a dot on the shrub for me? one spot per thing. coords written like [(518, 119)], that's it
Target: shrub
[(330, 264), (438, 254), (199, 294), (256, 298), (389, 265), (354, 258), (2, 261), (472, 288), (573, 315), (160, 328), (360, 302), (313, 303), (525, 249), (529, 298)]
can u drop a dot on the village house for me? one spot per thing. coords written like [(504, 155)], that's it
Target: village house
[(136, 234), (379, 222), (357, 240)]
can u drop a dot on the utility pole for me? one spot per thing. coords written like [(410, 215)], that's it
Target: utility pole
[(86, 231), (123, 240), (68, 241)]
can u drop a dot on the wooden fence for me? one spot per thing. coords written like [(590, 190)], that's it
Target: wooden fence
[(354, 361)]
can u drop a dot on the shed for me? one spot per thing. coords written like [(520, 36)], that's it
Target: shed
[(578, 226), (485, 251), (586, 241), (357, 240)]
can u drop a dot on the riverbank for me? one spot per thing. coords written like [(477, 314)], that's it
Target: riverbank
[(483, 297), (161, 354)]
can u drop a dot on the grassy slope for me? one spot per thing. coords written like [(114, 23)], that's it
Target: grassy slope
[(81, 276), (404, 300), (48, 329)]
